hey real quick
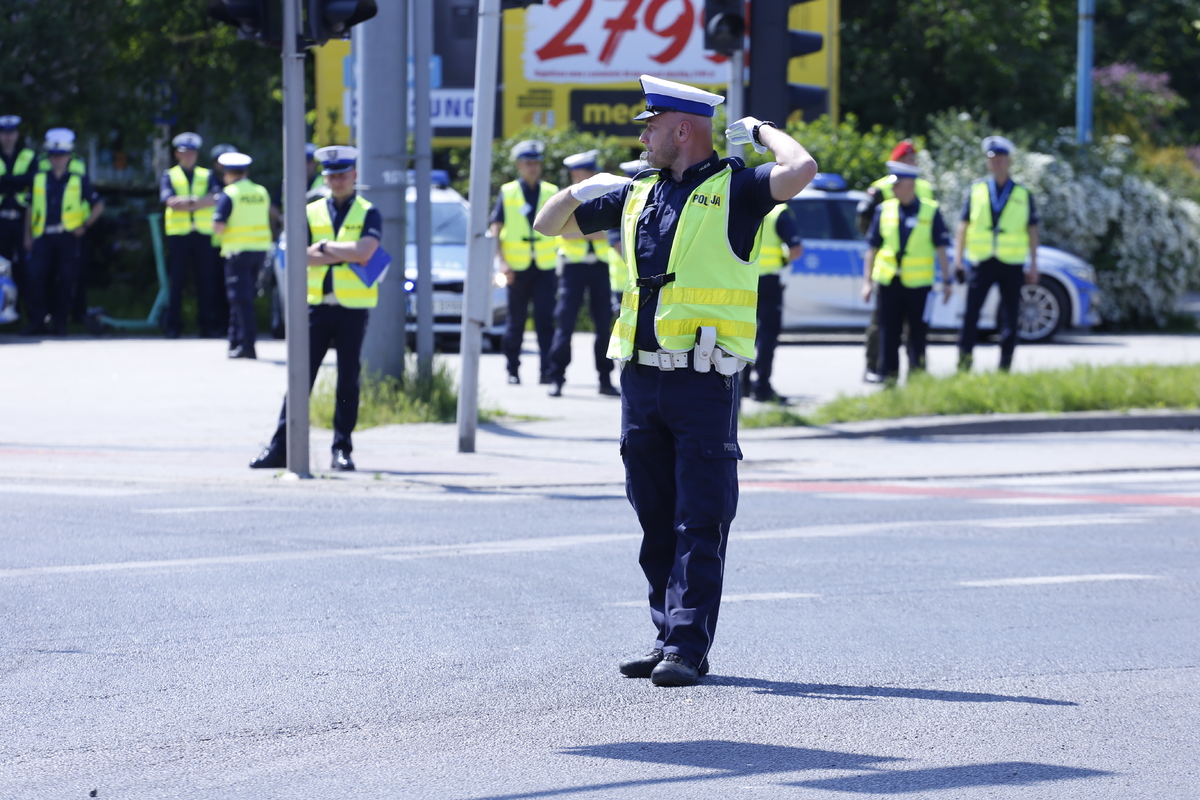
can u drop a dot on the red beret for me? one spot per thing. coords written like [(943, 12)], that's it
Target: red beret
[(905, 148)]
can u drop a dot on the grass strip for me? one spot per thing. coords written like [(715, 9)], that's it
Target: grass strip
[(1079, 388), (385, 400)]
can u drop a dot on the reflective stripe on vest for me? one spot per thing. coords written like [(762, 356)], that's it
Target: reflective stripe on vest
[(574, 251), (74, 210), (773, 254), (179, 223), (1006, 240), (924, 189), (248, 228), (520, 244), (21, 166), (348, 288), (712, 286), (916, 267)]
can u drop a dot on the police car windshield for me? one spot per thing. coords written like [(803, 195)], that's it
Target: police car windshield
[(449, 223), (824, 219)]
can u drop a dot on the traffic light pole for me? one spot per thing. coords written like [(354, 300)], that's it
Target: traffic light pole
[(478, 288), (295, 229), (735, 102)]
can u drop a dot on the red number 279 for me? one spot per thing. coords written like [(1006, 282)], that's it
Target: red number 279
[(678, 31)]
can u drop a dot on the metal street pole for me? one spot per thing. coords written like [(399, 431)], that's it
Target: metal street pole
[(423, 51), (478, 288), (735, 102), (381, 120), (296, 241), (1083, 73)]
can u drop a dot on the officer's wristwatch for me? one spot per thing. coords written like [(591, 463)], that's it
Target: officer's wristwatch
[(321, 246), (754, 131)]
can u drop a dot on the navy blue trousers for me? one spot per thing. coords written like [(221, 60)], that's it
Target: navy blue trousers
[(53, 273), (194, 252), (536, 285), (898, 305), (770, 322), (241, 275), (1011, 278), (342, 329), (679, 445), (577, 279)]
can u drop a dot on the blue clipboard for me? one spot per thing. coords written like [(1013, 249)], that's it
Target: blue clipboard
[(375, 268)]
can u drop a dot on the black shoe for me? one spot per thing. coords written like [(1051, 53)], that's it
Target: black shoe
[(872, 377), (674, 670), (514, 379), (556, 389), (270, 458), (171, 335), (243, 352), (341, 461), (769, 396), (544, 380), (642, 666), (608, 390)]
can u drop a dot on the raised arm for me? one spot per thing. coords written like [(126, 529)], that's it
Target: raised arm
[(794, 167)]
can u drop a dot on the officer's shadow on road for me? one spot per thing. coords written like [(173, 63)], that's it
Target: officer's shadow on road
[(723, 760), (835, 692)]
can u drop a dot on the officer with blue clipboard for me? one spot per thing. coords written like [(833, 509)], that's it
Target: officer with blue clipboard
[(345, 265), (685, 331)]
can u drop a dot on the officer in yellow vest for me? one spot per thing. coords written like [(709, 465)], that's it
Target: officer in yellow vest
[(343, 229), (905, 153), (780, 247), (62, 206), (686, 328), (529, 258), (999, 232), (243, 221), (189, 194), (16, 177), (898, 268), (585, 267)]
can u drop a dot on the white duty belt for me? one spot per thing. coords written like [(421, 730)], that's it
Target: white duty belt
[(667, 362)]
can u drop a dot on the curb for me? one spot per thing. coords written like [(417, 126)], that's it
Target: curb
[(987, 424)]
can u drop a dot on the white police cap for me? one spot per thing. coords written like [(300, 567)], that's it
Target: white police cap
[(9, 122), (234, 160), (336, 159), (662, 96), (187, 141), (632, 168), (530, 148), (902, 170), (997, 146), (582, 160), (60, 140)]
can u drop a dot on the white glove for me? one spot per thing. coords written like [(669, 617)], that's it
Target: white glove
[(742, 132), (598, 185)]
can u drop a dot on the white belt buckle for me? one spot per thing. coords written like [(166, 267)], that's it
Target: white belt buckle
[(666, 361)]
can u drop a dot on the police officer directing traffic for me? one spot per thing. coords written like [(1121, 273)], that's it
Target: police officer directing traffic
[(16, 176), (343, 229), (62, 206), (999, 231), (898, 267), (529, 258), (584, 269), (780, 247), (189, 193), (686, 328), (243, 221)]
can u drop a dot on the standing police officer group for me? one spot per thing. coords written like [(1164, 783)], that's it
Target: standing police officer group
[(343, 229), (686, 328), (529, 258), (243, 221)]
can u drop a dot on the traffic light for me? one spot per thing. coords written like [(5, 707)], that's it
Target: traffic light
[(332, 19), (254, 19), (724, 25), (773, 44)]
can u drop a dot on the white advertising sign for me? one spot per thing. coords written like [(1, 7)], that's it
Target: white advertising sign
[(616, 41)]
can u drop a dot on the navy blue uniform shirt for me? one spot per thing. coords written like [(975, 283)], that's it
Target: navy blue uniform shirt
[(1033, 214), (532, 193), (54, 195), (941, 235), (166, 191), (787, 229), (749, 201)]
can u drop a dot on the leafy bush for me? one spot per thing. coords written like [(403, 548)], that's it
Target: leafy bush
[(858, 156)]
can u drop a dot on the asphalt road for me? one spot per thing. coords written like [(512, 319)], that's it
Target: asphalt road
[(988, 638)]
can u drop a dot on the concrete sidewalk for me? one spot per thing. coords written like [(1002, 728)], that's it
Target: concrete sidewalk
[(180, 411)]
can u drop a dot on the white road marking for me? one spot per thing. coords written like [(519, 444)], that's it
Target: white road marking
[(866, 496), (1065, 521), (217, 509), (1046, 580), (1030, 501), (71, 491)]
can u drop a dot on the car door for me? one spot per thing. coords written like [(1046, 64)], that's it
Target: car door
[(817, 286)]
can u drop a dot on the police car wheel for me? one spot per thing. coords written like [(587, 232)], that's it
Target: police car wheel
[(1044, 310)]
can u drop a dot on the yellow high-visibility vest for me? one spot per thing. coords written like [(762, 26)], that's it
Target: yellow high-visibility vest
[(924, 189), (712, 287), (74, 209), (916, 267), (21, 166), (348, 288), (248, 228), (574, 251), (618, 272), (181, 223), (1006, 240), (520, 244), (76, 166), (773, 253)]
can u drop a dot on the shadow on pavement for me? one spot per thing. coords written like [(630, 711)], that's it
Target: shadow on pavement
[(1005, 773), (824, 691)]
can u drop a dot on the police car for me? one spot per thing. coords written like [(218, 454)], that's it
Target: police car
[(822, 288), (450, 217), (8, 293)]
